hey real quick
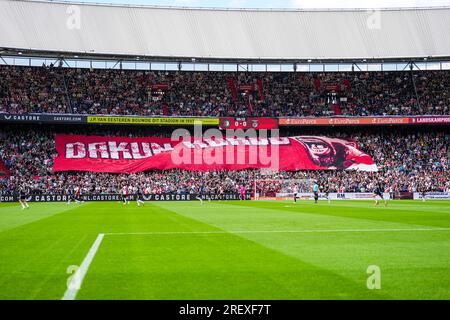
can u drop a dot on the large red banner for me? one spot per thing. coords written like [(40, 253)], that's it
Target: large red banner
[(131, 155)]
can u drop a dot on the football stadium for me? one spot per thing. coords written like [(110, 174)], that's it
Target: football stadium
[(175, 153)]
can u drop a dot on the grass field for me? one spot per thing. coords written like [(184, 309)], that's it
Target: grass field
[(227, 250)]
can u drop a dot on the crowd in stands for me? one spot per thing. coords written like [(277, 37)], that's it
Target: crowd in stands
[(159, 93), (407, 162)]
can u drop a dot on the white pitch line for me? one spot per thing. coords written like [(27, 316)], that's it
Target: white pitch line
[(276, 231), (77, 279)]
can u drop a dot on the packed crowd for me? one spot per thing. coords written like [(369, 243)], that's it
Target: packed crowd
[(158, 93), (407, 162)]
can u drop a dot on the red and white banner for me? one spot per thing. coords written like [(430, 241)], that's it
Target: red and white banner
[(131, 155)]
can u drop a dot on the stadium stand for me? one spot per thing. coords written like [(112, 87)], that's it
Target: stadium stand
[(408, 162), (152, 93)]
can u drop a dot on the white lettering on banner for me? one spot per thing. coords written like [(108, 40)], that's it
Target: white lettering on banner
[(96, 148), (232, 141), (143, 150), (75, 150), (135, 150), (157, 149), (196, 144), (115, 150), (279, 141), (217, 143)]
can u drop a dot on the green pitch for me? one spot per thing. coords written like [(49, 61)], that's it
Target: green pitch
[(227, 250)]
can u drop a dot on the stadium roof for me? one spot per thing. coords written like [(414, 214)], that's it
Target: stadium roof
[(38, 27)]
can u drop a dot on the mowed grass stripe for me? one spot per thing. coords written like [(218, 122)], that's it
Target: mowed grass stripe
[(34, 257), (41, 286), (180, 283), (402, 254), (183, 233), (441, 206), (365, 210), (12, 215), (253, 216), (75, 283)]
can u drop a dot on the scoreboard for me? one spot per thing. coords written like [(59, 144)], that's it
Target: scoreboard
[(248, 123)]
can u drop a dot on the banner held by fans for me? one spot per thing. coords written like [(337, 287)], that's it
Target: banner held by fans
[(132, 155)]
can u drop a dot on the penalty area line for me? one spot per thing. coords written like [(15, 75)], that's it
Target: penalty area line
[(74, 285)]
